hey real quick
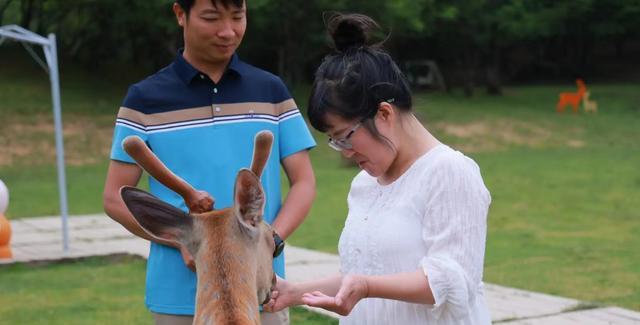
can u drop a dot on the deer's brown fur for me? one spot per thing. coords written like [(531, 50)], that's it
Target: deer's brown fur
[(232, 248)]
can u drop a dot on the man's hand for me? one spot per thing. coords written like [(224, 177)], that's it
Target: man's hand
[(352, 290), (200, 202)]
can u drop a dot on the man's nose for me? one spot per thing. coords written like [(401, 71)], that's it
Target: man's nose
[(226, 31)]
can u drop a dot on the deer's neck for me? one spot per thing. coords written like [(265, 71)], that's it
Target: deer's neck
[(227, 292)]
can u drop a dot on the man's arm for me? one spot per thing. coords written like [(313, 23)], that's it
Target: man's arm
[(302, 191), (120, 174)]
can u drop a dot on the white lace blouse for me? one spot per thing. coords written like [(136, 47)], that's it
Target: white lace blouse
[(432, 217)]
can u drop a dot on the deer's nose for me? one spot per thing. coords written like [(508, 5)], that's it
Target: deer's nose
[(268, 297), (273, 284)]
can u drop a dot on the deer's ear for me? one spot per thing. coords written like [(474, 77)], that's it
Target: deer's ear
[(249, 198), (165, 223)]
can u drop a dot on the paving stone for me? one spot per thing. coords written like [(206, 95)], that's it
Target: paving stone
[(34, 238), (92, 221), (510, 303), (311, 271), (19, 226), (598, 316), (297, 255), (44, 223), (99, 234)]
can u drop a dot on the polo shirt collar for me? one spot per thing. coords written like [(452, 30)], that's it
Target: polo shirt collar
[(186, 72)]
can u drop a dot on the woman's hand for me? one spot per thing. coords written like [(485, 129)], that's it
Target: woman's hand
[(352, 289), (282, 296)]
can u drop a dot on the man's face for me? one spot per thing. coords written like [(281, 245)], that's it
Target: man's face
[(212, 33)]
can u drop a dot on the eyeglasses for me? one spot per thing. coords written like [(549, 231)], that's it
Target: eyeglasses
[(344, 143), (279, 245)]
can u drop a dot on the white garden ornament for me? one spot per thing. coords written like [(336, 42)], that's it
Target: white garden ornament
[(4, 197)]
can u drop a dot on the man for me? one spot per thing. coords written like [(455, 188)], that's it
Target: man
[(200, 115)]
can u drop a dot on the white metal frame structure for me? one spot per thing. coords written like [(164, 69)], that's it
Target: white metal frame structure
[(27, 37)]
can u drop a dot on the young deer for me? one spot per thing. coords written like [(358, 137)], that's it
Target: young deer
[(233, 248), (590, 106), (572, 99)]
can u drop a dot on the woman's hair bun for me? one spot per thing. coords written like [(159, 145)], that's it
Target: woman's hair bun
[(350, 30)]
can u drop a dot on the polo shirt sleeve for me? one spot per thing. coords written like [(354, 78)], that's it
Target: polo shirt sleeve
[(128, 122), (293, 133)]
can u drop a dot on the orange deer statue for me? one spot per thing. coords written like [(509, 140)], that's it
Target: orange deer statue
[(572, 99), (5, 225), (233, 248)]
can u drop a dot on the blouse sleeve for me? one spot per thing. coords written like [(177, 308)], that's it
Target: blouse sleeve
[(454, 230)]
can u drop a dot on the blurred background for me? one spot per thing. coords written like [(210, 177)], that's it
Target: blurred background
[(486, 74)]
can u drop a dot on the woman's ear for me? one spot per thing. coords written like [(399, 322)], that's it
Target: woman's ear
[(386, 112)]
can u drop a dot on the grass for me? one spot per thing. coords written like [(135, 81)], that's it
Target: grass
[(564, 218), (90, 291)]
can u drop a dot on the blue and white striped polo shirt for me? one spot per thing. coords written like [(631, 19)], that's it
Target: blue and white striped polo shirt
[(203, 132)]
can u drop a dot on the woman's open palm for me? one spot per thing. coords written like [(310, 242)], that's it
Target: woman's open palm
[(352, 289)]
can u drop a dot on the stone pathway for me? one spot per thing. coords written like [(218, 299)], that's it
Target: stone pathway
[(40, 239)]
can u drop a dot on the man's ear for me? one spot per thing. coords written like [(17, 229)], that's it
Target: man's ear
[(181, 15), (165, 223)]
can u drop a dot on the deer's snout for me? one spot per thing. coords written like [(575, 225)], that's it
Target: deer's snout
[(274, 280)]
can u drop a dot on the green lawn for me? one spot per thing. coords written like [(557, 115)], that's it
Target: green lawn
[(91, 291), (564, 218)]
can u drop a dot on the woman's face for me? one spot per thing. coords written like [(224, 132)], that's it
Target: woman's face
[(373, 155)]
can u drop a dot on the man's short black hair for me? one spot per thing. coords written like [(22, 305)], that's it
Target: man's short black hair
[(187, 4)]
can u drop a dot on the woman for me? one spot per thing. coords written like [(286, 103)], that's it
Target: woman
[(412, 248)]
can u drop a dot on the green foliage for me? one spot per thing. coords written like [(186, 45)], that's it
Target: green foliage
[(98, 33), (474, 41)]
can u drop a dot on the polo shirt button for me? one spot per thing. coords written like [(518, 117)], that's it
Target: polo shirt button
[(215, 90), (218, 109), (201, 76)]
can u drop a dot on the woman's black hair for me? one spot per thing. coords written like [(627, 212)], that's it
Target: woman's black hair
[(352, 82)]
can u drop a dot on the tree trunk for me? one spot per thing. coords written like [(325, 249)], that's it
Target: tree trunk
[(493, 80), (492, 72), (469, 66), (27, 13), (493, 62)]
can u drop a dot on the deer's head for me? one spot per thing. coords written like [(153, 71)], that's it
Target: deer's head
[(233, 248)]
